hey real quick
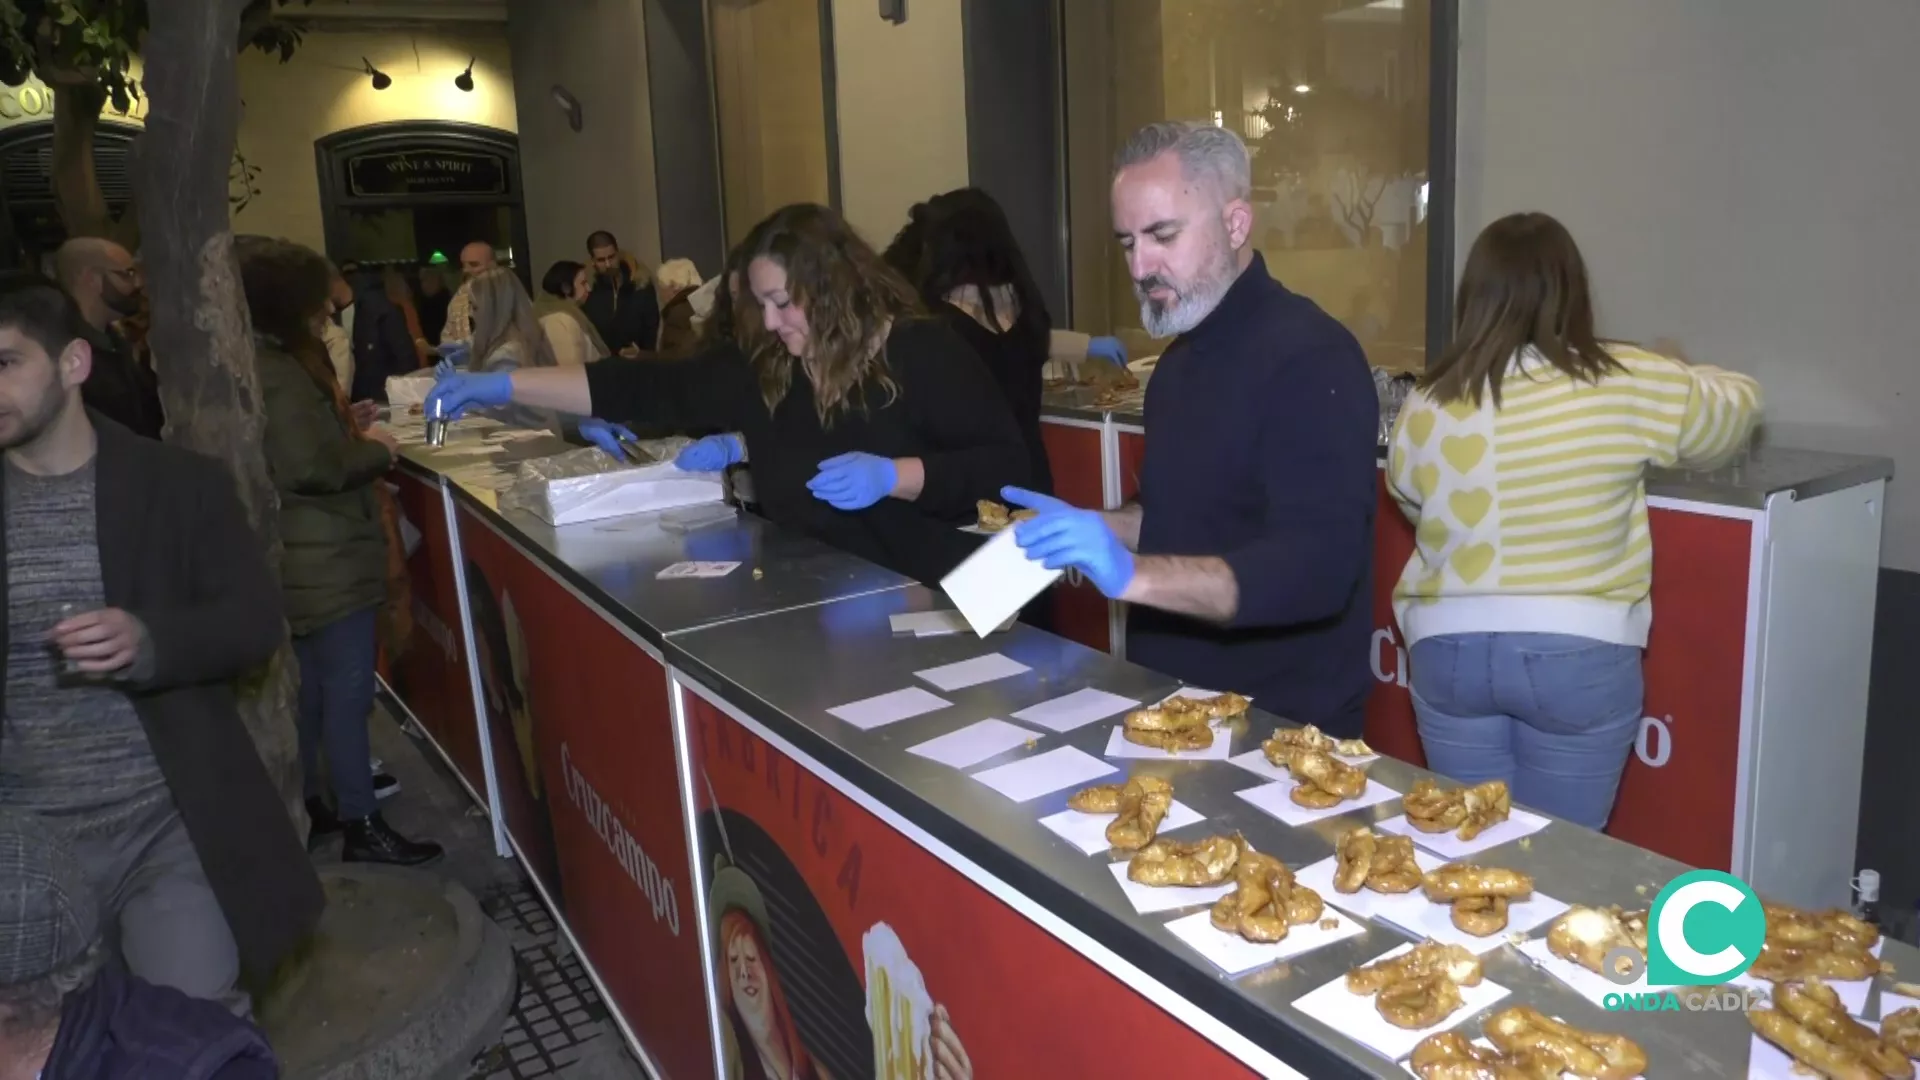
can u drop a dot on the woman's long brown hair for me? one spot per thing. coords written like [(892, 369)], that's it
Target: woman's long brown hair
[(1525, 284), (851, 299)]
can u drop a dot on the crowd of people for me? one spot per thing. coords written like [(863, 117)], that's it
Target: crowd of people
[(147, 867)]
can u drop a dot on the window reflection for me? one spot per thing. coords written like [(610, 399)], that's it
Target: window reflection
[(1331, 97)]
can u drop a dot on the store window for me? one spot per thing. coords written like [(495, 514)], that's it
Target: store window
[(1331, 97), (769, 68)]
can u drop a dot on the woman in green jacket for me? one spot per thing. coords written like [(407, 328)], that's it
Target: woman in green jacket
[(334, 568)]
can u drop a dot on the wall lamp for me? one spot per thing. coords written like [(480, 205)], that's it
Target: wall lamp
[(381, 80), (464, 80)]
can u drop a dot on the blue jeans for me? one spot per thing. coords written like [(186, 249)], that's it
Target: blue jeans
[(1551, 714), (336, 699)]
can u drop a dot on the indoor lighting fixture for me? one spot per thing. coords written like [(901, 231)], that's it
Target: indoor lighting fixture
[(464, 80), (381, 80), (1302, 88), (569, 105)]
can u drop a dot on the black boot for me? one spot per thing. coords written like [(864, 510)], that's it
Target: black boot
[(372, 840), (321, 822)]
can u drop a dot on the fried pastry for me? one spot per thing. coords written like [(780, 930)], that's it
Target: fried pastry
[(1481, 916), (1266, 901), (1449, 1056), (1394, 870), (1817, 1008), (1172, 862), (1901, 1030), (1828, 944), (1353, 859), (1479, 894), (1467, 812), (1809, 1050), (1426, 958), (1180, 723), (1418, 1003), (1527, 1034), (1323, 780), (1098, 799), (1586, 935), (1198, 738), (995, 517), (1143, 804), (1311, 737)]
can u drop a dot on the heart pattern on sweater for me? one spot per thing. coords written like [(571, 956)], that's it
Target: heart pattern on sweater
[(1463, 452), (1470, 507), (1426, 480), (1472, 561), (1420, 426)]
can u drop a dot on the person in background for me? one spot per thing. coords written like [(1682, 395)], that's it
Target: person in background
[(675, 283), (475, 259), (432, 302), (104, 280), (400, 294), (507, 337), (871, 426), (382, 342), (1248, 554), (959, 252), (336, 332), (1521, 460), (623, 305), (572, 336), (136, 594), (66, 1013), (333, 572)]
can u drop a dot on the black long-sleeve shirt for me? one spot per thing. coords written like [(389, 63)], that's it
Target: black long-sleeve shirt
[(1016, 360), (948, 413), (1261, 430)]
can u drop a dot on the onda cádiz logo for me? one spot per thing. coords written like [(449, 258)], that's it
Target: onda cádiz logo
[(1705, 928)]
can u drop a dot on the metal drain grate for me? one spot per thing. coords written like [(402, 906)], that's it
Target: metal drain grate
[(558, 1014)]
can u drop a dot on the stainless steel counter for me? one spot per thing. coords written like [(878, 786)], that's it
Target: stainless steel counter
[(787, 669), (1748, 481)]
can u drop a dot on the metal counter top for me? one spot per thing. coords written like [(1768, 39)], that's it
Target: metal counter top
[(613, 561), (1748, 481), (787, 669)]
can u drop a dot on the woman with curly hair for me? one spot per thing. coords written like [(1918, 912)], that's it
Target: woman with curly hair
[(871, 426), (334, 570)]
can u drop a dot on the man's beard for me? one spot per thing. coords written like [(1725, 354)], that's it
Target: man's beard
[(1192, 301), (36, 419)]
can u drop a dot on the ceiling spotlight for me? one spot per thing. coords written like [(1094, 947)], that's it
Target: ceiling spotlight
[(464, 80), (1302, 88), (569, 105), (381, 80)]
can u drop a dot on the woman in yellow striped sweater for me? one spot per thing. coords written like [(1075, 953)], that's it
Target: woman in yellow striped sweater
[(1521, 461)]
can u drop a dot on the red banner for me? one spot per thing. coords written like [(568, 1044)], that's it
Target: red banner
[(583, 749), (1677, 794), (842, 941), (431, 675)]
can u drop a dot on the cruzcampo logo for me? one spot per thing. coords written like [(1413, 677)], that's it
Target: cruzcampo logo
[(1705, 927)]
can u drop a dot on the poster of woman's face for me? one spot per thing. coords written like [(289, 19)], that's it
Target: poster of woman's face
[(500, 652)]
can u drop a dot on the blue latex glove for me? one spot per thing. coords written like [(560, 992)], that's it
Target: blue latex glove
[(605, 435), (1109, 349), (711, 454), (1066, 537), (854, 481), (456, 392)]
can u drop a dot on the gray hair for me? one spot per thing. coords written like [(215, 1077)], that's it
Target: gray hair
[(34, 1006), (1206, 152)]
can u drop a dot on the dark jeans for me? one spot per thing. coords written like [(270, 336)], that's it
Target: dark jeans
[(1551, 714), (336, 698)]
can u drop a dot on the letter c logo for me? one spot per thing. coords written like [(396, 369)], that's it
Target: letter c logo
[(1734, 924)]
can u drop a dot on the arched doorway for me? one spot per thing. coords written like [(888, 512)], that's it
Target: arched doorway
[(26, 177), (414, 192)]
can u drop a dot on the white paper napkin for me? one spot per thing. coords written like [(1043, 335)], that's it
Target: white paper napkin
[(1431, 920), (1366, 903), (974, 743), (1075, 710), (1088, 832), (1354, 1016), (1449, 846), (995, 582), (1030, 778), (1148, 899), (1891, 1002), (980, 669), (1234, 954), (697, 570), (869, 713), (1275, 799)]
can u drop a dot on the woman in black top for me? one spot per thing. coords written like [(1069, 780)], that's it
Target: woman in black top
[(959, 252), (870, 426)]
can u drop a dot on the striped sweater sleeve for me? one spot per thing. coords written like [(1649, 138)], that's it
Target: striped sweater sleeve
[(1722, 408)]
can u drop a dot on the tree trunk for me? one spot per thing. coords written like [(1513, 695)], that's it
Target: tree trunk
[(76, 182), (201, 337)]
